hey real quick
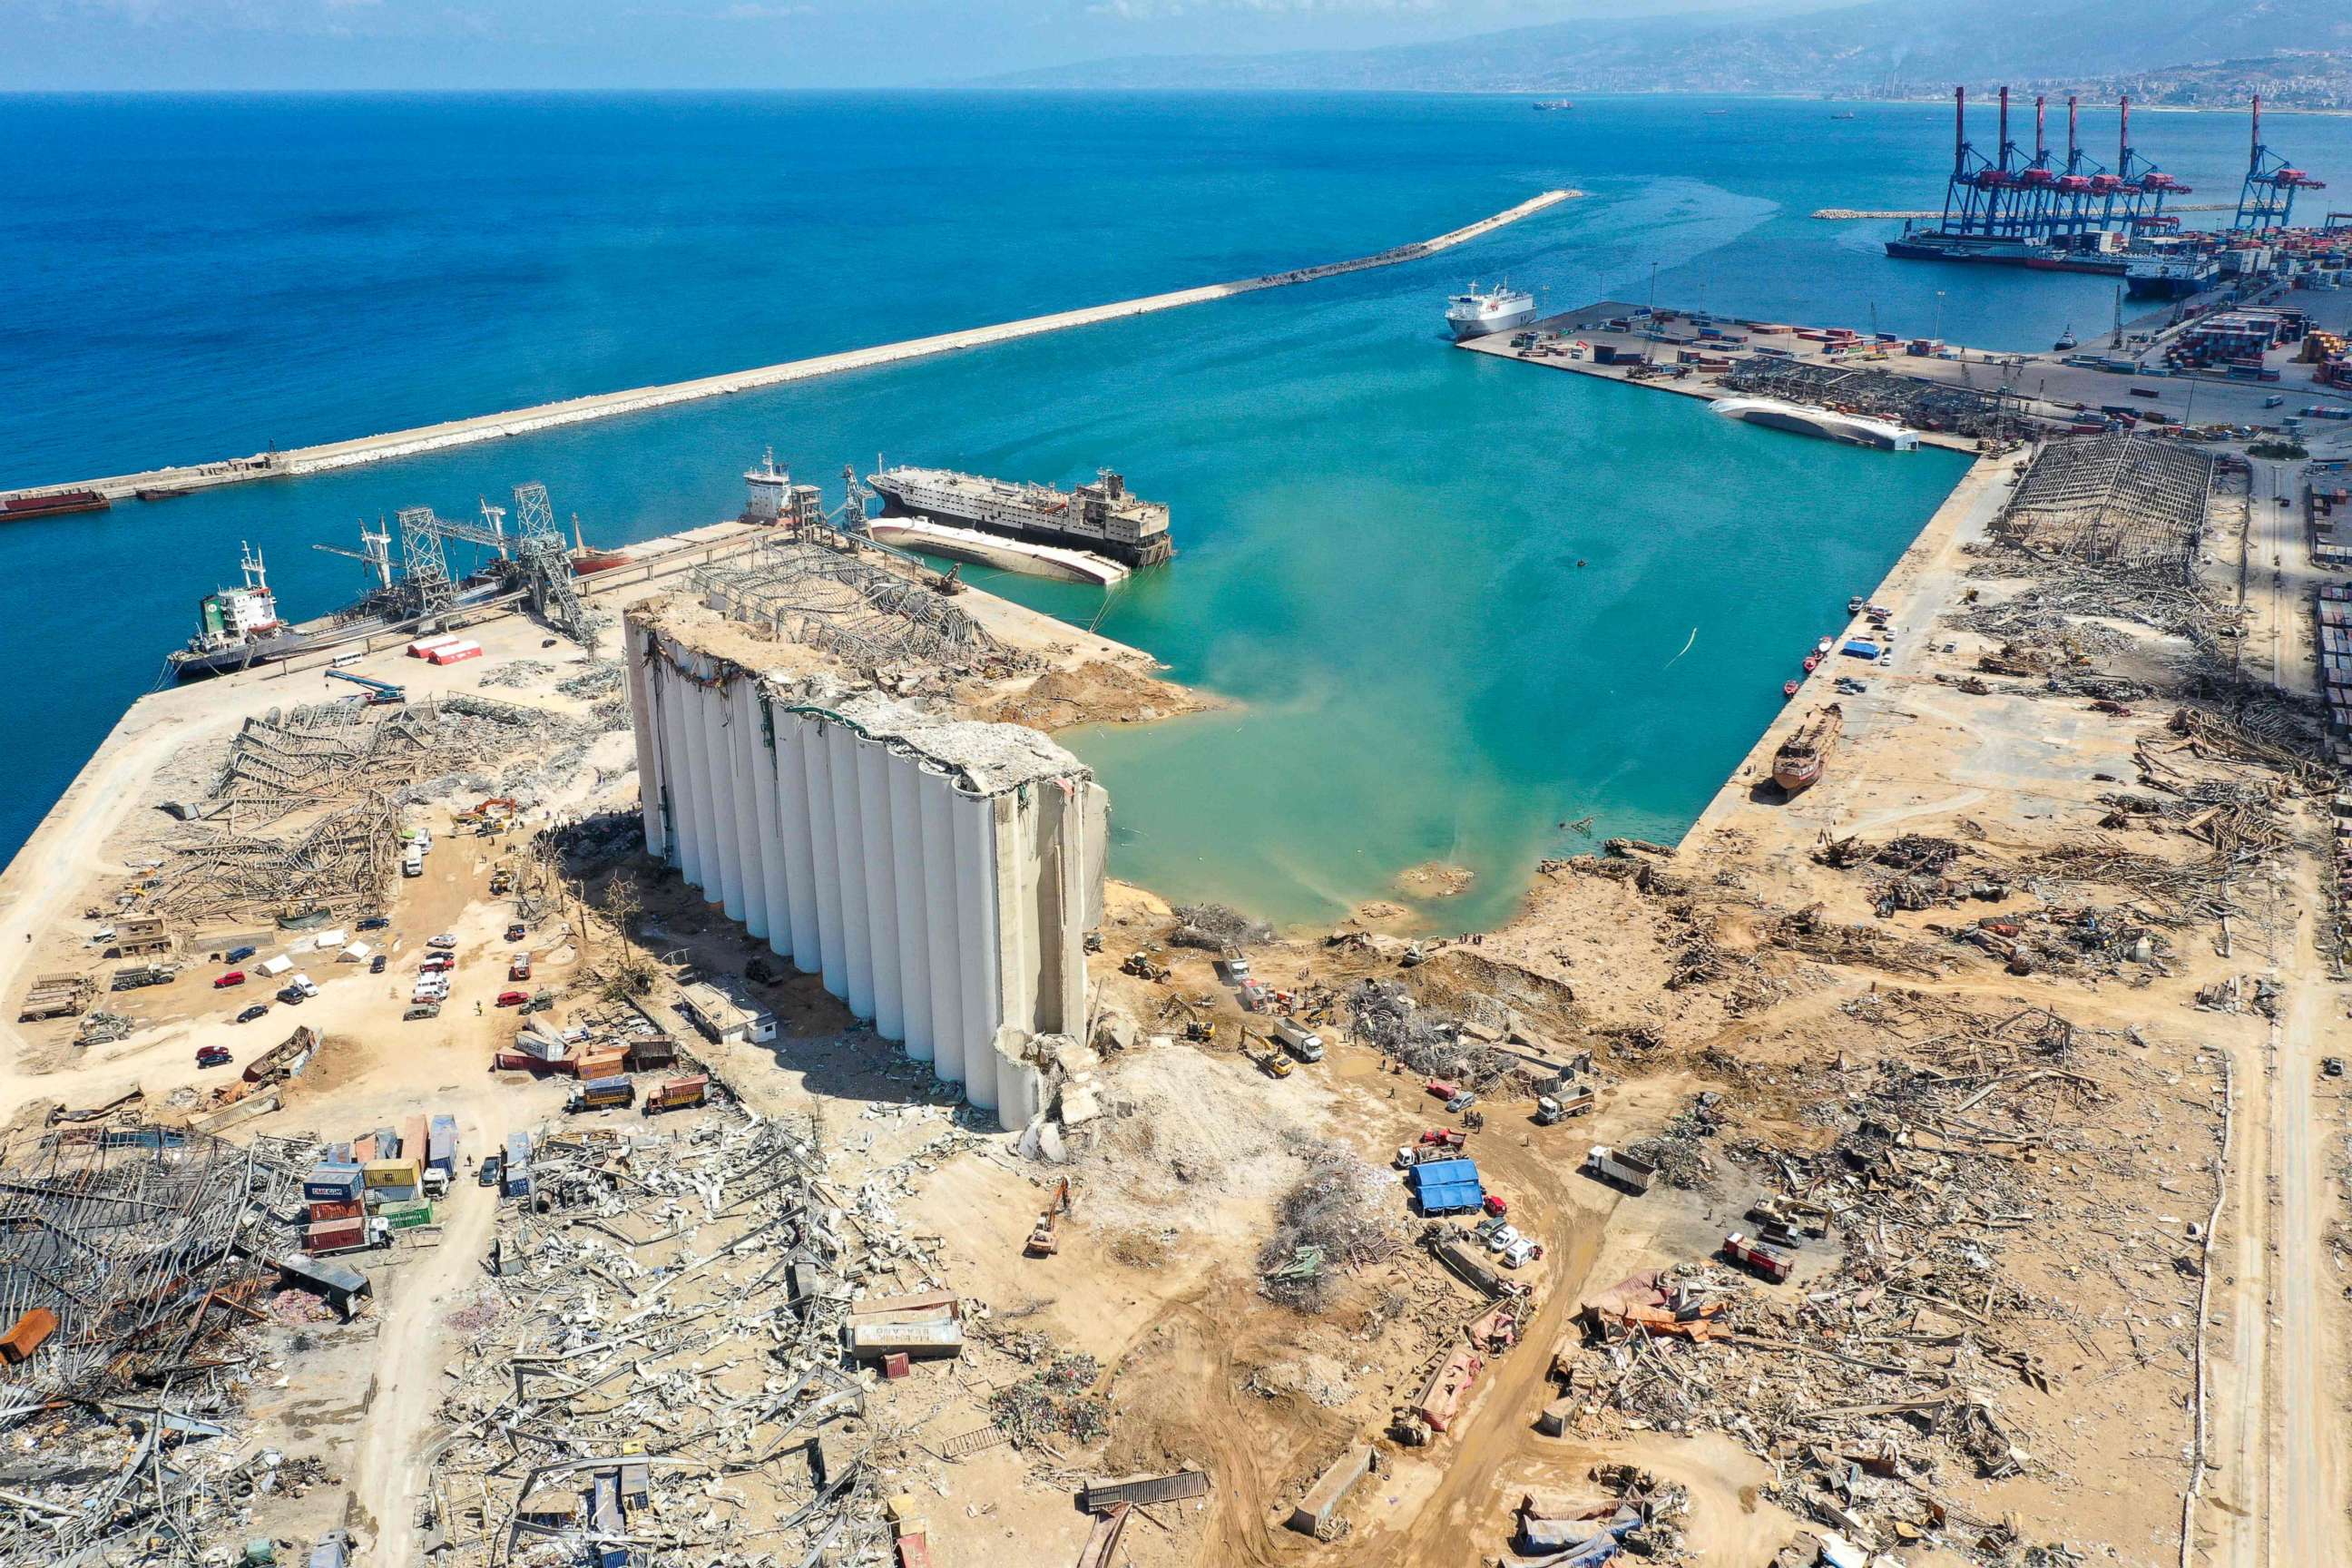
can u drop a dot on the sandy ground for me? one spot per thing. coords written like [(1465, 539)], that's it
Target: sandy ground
[(1178, 1185)]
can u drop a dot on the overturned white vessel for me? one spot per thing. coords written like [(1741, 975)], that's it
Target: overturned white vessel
[(1850, 428)]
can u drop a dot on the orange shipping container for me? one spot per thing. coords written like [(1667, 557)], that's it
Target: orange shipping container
[(29, 1333)]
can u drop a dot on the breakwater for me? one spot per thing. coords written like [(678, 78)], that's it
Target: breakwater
[(329, 456)]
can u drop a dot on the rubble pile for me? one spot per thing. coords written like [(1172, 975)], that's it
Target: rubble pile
[(1341, 1214), (1215, 926), (134, 1275), (1678, 1149), (1056, 1402), (664, 1356), (1383, 1014), (1868, 1384), (518, 672)]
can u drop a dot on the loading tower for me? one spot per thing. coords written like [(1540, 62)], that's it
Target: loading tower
[(2267, 198)]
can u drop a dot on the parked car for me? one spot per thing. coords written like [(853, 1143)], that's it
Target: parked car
[(422, 1010), (438, 963), (513, 998), (1501, 1239), (292, 997), (213, 1056), (444, 941), (1461, 1101), (250, 1013), (234, 977), (376, 965), (373, 922), (491, 1167), (515, 932), (2333, 1067), (239, 955), (1496, 1205)]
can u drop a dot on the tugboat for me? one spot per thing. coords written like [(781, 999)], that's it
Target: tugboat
[(2065, 340), (1797, 765)]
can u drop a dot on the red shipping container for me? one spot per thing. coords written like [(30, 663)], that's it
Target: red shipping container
[(326, 1210), (27, 1334), (336, 1232)]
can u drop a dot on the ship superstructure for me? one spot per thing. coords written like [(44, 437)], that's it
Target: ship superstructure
[(1102, 516), (1482, 312)]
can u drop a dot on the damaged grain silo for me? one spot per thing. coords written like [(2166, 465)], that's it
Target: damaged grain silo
[(938, 874)]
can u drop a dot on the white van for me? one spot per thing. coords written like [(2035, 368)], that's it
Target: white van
[(301, 982)]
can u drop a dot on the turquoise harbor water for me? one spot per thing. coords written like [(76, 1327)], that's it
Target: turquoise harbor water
[(1380, 536)]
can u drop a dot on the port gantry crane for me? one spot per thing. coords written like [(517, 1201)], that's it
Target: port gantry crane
[(2027, 199), (2267, 198)]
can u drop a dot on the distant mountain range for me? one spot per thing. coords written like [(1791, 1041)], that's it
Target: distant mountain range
[(2186, 51)]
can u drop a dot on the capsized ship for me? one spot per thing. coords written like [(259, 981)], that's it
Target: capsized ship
[(1101, 517), (1829, 425), (1482, 312)]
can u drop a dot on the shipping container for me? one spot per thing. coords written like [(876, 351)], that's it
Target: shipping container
[(27, 1334), (403, 1172), (327, 1209), (330, 1182), (441, 1145)]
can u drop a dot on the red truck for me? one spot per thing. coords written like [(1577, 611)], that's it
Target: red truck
[(1763, 1261), (677, 1094)]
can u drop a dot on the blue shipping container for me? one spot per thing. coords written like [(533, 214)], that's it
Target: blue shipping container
[(1862, 647)]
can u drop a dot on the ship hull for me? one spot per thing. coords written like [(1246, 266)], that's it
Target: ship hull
[(2166, 288), (190, 664), (1487, 326), (894, 504), (2033, 260)]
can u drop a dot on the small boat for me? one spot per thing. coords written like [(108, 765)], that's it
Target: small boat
[(1812, 662), (1854, 605), (1789, 687), (1798, 765), (1825, 645), (1843, 114), (2066, 340), (163, 492), (1544, 103)]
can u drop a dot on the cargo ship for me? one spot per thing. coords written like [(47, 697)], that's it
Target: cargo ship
[(239, 627), (1797, 765), (1101, 517), (1482, 312), (1939, 244), (56, 503), (2170, 276)]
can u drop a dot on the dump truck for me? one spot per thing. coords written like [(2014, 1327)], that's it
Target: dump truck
[(1298, 1039), (1551, 1108), (603, 1094), (1625, 1171), (1765, 1262), (677, 1094)]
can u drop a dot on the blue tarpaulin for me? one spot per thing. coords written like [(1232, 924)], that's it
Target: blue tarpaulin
[(1862, 647), (1446, 1187)]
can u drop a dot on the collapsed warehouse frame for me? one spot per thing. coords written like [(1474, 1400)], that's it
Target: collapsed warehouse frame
[(130, 1257), (1881, 394), (2119, 502)]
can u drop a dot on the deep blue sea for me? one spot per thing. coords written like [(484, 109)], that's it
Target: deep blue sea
[(1380, 537)]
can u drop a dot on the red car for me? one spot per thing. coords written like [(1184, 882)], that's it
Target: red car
[(234, 977), (1497, 1207), (212, 1055), (1440, 1090), (513, 998)]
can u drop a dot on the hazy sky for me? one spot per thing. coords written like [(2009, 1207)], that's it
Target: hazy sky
[(65, 44)]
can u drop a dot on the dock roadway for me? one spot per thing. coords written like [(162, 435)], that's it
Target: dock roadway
[(605, 406)]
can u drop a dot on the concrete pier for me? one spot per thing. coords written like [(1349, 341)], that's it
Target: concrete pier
[(334, 455)]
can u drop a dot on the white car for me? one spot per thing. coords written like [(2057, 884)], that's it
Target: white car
[(1518, 1254), (1503, 1239), (444, 941)]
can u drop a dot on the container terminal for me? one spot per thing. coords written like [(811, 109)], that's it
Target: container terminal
[(2033, 209)]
